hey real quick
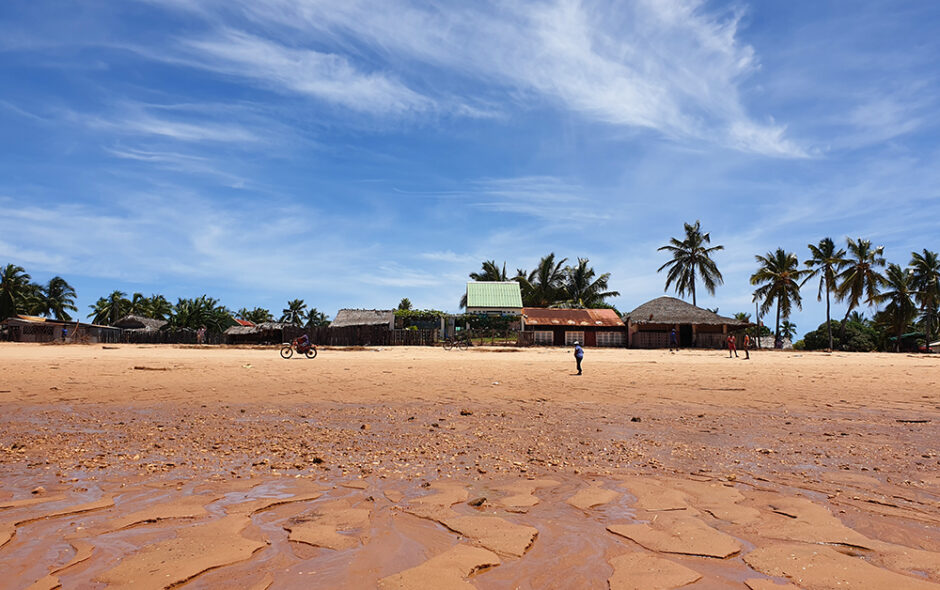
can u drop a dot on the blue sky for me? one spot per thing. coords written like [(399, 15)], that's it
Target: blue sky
[(355, 153)]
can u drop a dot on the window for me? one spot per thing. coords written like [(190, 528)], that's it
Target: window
[(545, 337), (610, 338), (572, 337)]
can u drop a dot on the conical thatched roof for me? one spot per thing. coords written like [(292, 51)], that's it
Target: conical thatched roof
[(364, 317), (669, 310), (138, 322)]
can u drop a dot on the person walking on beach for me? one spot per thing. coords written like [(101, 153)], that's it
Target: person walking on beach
[(732, 346), (747, 346), (673, 341), (578, 354)]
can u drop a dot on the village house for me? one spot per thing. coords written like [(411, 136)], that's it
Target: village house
[(649, 325), (564, 327), (494, 298)]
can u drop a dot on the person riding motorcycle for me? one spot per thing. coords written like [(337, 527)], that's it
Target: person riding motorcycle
[(303, 343)]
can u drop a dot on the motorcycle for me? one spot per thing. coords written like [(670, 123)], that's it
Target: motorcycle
[(309, 349)]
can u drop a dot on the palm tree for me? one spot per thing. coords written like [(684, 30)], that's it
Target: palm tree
[(859, 277), (193, 314), (901, 309), (691, 259), (778, 279), (140, 305), (787, 330), (158, 307), (108, 310), (316, 318), (543, 286), (926, 269), (295, 313), (59, 296), (490, 272), (258, 315), (14, 288), (826, 262), (582, 289)]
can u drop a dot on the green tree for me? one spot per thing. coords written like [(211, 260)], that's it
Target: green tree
[(295, 312), (108, 310), (543, 287), (787, 330), (405, 303), (58, 299), (581, 287), (158, 307), (193, 314), (316, 318), (489, 272), (14, 289), (258, 315), (140, 305), (825, 262), (859, 281), (691, 259), (778, 280), (900, 310), (926, 282)]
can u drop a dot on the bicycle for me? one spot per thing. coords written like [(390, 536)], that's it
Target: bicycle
[(459, 343)]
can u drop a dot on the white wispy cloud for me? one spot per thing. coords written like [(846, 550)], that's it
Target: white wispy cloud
[(327, 76), (668, 65)]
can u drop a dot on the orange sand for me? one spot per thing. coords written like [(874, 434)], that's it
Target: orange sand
[(154, 467)]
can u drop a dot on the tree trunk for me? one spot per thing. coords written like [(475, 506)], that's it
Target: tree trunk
[(828, 320), (777, 331)]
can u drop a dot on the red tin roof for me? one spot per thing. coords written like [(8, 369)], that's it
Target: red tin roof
[(540, 316)]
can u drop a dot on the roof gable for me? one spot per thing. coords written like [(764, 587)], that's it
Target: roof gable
[(669, 310), (499, 294)]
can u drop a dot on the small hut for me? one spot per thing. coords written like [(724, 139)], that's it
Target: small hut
[(137, 323), (649, 325), (364, 317)]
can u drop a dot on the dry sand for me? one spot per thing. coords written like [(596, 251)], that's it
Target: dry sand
[(152, 467)]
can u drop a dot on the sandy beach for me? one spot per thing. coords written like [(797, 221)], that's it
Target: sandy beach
[(206, 467)]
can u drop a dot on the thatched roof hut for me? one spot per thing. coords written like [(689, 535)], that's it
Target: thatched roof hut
[(138, 323), (649, 325), (364, 317)]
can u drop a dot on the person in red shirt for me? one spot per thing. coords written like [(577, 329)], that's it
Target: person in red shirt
[(732, 347)]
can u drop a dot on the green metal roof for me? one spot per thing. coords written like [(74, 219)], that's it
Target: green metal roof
[(494, 294)]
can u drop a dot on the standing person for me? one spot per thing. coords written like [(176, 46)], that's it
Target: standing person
[(732, 346), (578, 355), (201, 335), (747, 346), (673, 341), (65, 333)]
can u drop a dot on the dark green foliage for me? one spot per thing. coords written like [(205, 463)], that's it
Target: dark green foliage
[(857, 337)]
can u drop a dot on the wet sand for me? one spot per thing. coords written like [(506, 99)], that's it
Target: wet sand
[(155, 467)]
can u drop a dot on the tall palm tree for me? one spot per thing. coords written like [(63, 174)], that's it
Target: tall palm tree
[(59, 296), (860, 278), (582, 289), (140, 305), (899, 295), (543, 286), (14, 288), (108, 310), (778, 280), (489, 272), (691, 259), (295, 312), (825, 262), (926, 269)]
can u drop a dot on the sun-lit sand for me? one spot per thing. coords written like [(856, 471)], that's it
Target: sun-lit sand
[(151, 467)]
